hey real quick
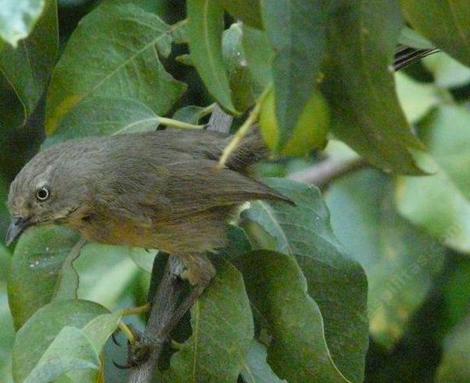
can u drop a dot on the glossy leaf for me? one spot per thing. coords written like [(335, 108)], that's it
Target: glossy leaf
[(259, 55), (130, 68), (28, 67), (206, 24), (36, 268), (241, 83), (41, 332), (278, 292), (444, 22), (440, 202), (359, 85), (336, 282), (248, 11), (18, 17), (298, 55), (400, 260), (222, 333)]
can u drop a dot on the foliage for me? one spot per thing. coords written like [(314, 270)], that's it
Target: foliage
[(295, 297)]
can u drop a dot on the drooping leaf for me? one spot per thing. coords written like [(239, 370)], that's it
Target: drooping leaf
[(18, 17), (444, 22), (278, 292), (222, 333), (454, 367), (206, 24), (27, 67), (39, 333), (259, 55), (248, 11), (359, 85), (256, 368), (241, 84), (35, 269), (299, 50), (336, 282), (113, 53), (440, 202), (399, 259)]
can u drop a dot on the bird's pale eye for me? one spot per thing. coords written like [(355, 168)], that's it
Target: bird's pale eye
[(43, 194)]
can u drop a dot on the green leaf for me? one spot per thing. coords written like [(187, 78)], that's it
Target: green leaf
[(454, 367), (36, 269), (440, 202), (259, 55), (336, 282), (411, 38), (191, 114), (113, 53), (222, 332), (299, 50), (417, 98), (40, 332), (248, 11), (447, 72), (444, 22), (206, 24), (399, 259), (107, 272), (27, 68), (241, 84), (101, 116), (278, 292), (7, 333), (256, 369), (359, 84), (17, 19)]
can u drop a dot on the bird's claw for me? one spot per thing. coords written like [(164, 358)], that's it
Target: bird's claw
[(138, 350)]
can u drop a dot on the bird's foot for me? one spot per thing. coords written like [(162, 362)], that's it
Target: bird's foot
[(138, 347)]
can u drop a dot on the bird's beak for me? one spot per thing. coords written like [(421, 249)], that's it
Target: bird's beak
[(17, 227)]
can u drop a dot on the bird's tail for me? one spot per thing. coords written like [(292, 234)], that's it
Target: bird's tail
[(405, 56)]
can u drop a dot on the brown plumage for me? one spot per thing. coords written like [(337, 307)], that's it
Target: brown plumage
[(153, 190)]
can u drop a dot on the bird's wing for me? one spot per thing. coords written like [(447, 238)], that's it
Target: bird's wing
[(195, 186), (161, 193)]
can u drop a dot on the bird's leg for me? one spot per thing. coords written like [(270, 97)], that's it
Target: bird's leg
[(165, 316), (199, 273)]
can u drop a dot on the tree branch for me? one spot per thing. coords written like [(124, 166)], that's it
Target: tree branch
[(328, 171), (166, 297), (164, 303)]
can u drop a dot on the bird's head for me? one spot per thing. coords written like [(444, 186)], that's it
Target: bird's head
[(48, 190)]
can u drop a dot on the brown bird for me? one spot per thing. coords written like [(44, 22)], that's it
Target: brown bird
[(158, 190)]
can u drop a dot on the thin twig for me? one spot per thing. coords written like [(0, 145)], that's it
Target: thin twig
[(327, 171), (237, 138)]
